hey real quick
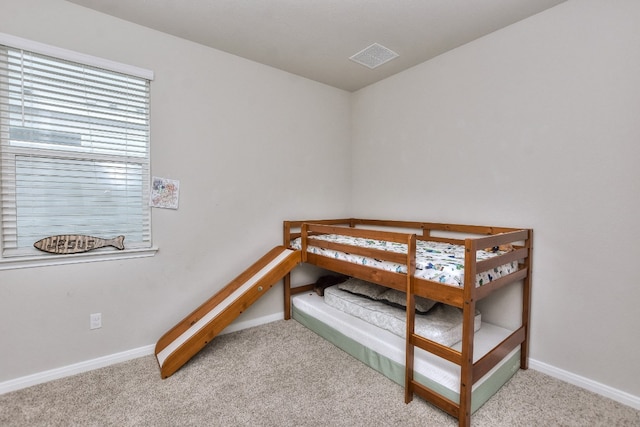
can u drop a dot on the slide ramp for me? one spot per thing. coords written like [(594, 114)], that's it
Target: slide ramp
[(188, 337)]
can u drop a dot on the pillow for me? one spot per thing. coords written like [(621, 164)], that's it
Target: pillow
[(360, 287), (324, 282), (388, 296), (399, 299)]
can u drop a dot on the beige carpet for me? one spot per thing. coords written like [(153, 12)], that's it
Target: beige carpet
[(282, 374)]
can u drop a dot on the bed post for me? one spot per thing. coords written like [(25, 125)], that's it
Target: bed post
[(287, 296), (426, 232), (304, 232), (287, 278), (411, 318), (468, 315), (526, 304)]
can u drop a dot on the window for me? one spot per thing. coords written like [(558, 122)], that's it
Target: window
[(74, 148)]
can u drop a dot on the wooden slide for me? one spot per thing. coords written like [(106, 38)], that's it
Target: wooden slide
[(188, 337)]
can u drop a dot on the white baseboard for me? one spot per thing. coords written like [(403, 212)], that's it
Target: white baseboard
[(76, 368), (596, 387), (101, 362)]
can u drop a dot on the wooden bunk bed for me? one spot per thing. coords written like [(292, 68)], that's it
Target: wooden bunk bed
[(465, 296)]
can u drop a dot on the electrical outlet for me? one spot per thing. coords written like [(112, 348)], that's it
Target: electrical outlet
[(95, 321)]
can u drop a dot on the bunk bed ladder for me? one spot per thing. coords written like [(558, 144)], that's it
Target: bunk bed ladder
[(464, 358)]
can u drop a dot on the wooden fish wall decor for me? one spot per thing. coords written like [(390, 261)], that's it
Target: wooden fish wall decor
[(74, 243)]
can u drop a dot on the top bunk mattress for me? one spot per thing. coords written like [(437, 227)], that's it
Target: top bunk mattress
[(435, 261)]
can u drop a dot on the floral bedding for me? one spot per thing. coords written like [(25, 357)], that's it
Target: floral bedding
[(436, 261)]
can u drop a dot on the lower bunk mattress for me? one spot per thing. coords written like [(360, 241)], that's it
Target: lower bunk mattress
[(385, 352), (441, 323)]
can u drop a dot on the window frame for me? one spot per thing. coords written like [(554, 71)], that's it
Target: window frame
[(45, 259)]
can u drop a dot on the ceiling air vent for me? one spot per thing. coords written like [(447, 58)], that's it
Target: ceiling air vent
[(373, 56)]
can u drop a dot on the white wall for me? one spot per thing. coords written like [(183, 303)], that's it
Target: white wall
[(239, 136), (536, 125)]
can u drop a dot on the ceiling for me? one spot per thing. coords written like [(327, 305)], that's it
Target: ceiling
[(315, 38)]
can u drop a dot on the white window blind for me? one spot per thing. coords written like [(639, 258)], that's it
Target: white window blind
[(74, 152)]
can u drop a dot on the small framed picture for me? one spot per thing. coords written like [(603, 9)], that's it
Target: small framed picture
[(164, 193)]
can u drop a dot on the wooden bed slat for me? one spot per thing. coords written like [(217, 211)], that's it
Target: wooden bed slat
[(484, 291), (387, 278), (359, 232), (491, 359), (396, 257), (502, 238), (442, 240), (499, 260), (466, 229), (447, 294), (415, 225)]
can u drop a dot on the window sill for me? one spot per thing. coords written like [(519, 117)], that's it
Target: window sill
[(96, 256)]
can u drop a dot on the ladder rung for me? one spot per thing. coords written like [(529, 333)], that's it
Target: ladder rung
[(438, 349)]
